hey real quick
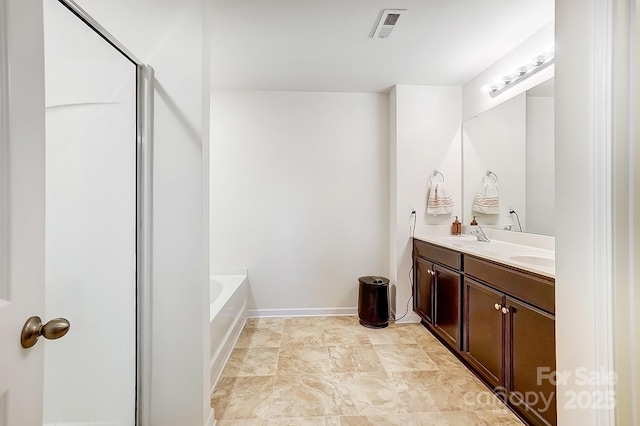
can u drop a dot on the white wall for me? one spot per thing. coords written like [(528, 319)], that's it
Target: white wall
[(496, 140), (425, 124), (626, 201), (300, 195), (540, 192), (168, 35), (582, 301), (476, 101)]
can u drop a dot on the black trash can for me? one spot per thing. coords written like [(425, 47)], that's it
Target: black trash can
[(373, 301)]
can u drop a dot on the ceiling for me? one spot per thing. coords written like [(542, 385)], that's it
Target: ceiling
[(326, 45)]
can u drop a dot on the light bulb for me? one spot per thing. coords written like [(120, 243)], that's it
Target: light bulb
[(486, 88)]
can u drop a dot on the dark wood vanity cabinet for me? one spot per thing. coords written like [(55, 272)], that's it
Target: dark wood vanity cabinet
[(530, 335), (423, 292), (497, 319), (510, 342), (438, 291), (446, 305), (484, 327)]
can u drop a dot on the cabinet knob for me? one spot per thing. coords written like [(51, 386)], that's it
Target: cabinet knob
[(497, 306), (505, 310), (429, 271)]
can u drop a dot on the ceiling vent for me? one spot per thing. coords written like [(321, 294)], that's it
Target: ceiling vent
[(388, 22)]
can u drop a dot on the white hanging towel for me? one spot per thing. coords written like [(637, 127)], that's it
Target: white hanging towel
[(439, 200), (487, 200)]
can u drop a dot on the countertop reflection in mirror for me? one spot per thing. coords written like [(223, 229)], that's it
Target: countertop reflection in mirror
[(515, 141)]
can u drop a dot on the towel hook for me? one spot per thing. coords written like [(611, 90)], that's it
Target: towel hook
[(488, 174), (435, 173)]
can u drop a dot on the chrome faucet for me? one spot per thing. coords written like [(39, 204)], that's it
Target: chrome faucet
[(480, 235)]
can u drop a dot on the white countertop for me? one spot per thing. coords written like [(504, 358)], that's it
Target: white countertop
[(532, 258)]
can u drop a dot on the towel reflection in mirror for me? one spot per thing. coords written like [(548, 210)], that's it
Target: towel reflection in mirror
[(487, 200)]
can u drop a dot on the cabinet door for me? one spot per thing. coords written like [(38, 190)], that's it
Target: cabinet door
[(447, 298), (484, 331), (423, 297), (531, 340)]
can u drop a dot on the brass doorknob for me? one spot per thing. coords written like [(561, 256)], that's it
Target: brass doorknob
[(33, 328)]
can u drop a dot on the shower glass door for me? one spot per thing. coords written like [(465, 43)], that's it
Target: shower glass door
[(90, 374)]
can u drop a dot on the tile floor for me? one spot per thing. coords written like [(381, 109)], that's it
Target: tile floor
[(333, 371)]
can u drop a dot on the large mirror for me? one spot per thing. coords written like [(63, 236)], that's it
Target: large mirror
[(508, 164)]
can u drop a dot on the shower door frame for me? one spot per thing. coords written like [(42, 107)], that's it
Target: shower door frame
[(144, 137)]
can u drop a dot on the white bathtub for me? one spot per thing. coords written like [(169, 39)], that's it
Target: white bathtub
[(228, 313)]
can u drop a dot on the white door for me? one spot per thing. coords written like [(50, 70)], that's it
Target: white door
[(22, 201), (77, 256), (90, 225)]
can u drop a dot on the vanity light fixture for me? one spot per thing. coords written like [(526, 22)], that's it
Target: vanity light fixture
[(539, 63)]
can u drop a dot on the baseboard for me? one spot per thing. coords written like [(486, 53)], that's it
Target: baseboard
[(301, 312), (410, 318)]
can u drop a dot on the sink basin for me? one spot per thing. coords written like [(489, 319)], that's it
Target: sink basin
[(533, 259)]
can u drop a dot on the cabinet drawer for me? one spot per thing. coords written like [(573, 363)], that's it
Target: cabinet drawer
[(438, 254), (535, 290)]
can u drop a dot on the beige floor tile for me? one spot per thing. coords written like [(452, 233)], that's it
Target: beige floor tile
[(260, 338), (332, 371), (303, 396), (429, 343), (354, 359), (297, 421), (366, 393), (303, 360), (453, 398), (417, 388), (274, 322), (481, 400), (306, 321), (502, 417), (242, 422), (350, 335), (390, 335), (242, 397), (404, 357), (446, 361), (463, 418), (430, 419), (418, 419), (465, 379), (350, 321), (414, 328), (251, 362), (302, 335), (332, 421)]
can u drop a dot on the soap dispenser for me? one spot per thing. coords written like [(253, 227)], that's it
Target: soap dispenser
[(456, 227)]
